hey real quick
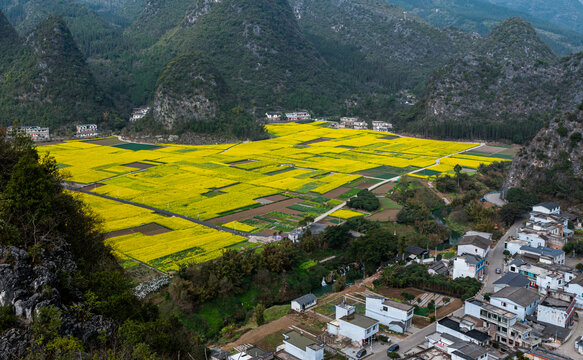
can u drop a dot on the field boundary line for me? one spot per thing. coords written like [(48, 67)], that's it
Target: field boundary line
[(168, 213)]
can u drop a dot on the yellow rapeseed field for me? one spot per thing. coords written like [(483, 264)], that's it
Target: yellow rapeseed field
[(210, 181), (346, 214)]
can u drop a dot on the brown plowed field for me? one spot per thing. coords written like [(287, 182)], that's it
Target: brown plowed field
[(385, 215), (383, 189), (262, 210), (336, 192)]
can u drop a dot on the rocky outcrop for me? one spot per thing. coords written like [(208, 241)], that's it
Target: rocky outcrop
[(504, 89), (30, 281), (557, 147), (190, 89)]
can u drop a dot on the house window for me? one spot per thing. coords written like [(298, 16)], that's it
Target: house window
[(385, 308), (515, 307)]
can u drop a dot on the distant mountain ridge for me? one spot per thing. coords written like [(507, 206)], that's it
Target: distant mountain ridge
[(49, 76), (481, 16), (504, 89)]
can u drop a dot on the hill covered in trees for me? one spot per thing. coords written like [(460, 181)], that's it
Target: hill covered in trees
[(46, 80), (507, 87)]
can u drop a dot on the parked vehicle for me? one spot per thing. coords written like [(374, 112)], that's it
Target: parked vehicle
[(393, 348), (498, 271), (361, 353)]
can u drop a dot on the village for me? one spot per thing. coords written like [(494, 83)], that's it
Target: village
[(530, 306), (82, 131)]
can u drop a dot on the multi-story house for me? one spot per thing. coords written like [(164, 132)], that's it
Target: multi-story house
[(397, 316), (468, 266), (358, 328), (556, 311), (474, 245), (86, 130), (517, 300), (502, 325)]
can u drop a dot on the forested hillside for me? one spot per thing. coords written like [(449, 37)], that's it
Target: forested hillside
[(334, 58), (551, 164), (376, 43), (506, 88), (49, 81)]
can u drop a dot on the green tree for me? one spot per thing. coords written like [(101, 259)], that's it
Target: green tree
[(408, 297), (458, 170), (339, 284), (259, 314)]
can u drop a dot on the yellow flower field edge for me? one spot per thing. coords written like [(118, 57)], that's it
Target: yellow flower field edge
[(346, 214)]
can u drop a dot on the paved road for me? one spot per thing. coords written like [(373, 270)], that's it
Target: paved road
[(495, 259), (568, 348), (419, 337)]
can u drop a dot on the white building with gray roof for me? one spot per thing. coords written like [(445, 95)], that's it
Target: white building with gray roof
[(519, 301), (474, 245), (304, 302), (301, 347), (397, 316), (358, 328)]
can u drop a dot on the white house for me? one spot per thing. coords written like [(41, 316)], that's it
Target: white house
[(86, 130), (304, 302), (502, 324), (474, 245), (302, 347), (397, 316), (273, 116), (575, 287), (543, 254), (36, 133), (517, 300), (534, 238), (468, 266), (139, 113), (381, 126), (359, 328), (298, 115), (556, 312), (547, 208)]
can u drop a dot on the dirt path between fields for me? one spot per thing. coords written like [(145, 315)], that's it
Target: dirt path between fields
[(257, 334)]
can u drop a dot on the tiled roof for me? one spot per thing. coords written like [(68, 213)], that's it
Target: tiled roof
[(518, 295)]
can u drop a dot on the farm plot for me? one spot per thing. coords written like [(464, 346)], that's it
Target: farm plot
[(162, 242), (235, 182)]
